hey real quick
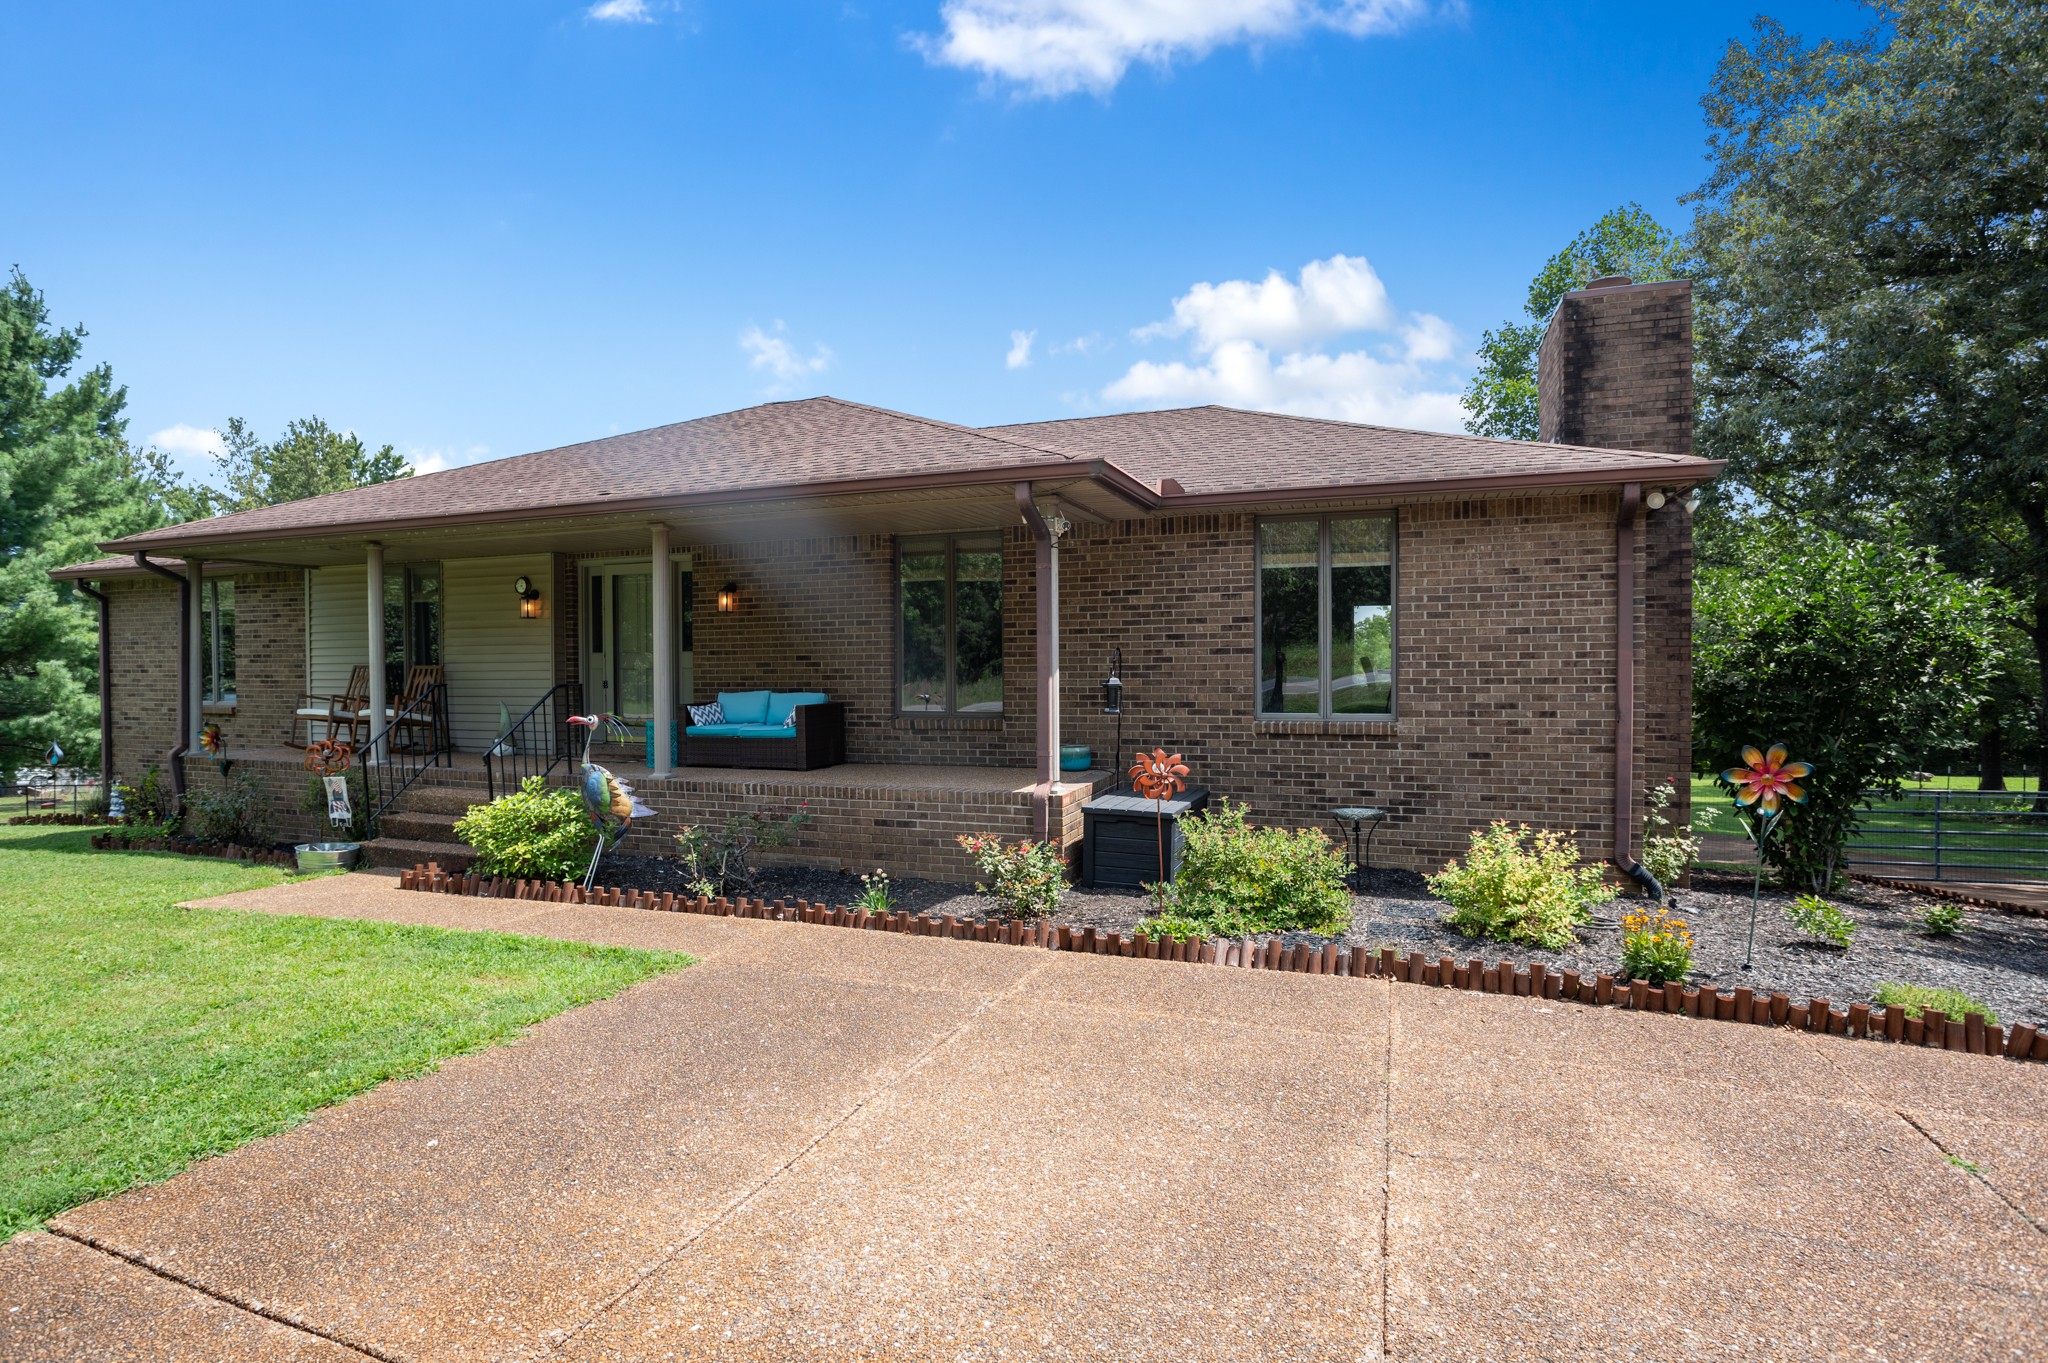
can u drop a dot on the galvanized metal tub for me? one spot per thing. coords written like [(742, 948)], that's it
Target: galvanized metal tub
[(328, 856)]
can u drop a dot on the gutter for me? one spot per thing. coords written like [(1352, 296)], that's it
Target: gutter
[(186, 662), (1625, 692), (106, 695)]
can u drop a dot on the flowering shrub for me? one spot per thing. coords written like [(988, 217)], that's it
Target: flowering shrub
[(1236, 878), (1027, 879), (1517, 884), (234, 815), (1655, 946), (1821, 920), (532, 834)]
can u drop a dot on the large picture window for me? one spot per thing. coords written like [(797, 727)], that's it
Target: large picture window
[(949, 592), (1326, 617), (217, 639)]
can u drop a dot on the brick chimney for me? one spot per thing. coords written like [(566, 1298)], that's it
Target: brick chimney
[(1615, 367)]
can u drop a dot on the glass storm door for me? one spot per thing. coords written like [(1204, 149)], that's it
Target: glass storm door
[(619, 639)]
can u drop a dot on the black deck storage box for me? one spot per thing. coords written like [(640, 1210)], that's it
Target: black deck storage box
[(1120, 837)]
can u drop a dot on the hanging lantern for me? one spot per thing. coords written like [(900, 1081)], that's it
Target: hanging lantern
[(1113, 684)]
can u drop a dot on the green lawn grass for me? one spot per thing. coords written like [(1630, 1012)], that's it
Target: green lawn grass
[(137, 1037)]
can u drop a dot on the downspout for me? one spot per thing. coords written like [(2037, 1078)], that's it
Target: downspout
[(1625, 692), (186, 723), (1048, 662), (106, 696)]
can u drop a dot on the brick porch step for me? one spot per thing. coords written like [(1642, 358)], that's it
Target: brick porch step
[(406, 853), (419, 825), (453, 801)]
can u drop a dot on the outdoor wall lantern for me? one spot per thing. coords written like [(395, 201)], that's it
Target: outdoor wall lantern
[(728, 598), (529, 598), (1113, 685)]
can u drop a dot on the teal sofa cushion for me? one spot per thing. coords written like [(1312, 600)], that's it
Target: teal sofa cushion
[(780, 703), (745, 707), (739, 731)]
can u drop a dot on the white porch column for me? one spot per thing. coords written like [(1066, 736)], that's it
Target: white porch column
[(663, 597), (1046, 533), (195, 635), (374, 575)]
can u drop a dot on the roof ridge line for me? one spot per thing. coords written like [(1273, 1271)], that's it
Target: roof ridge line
[(982, 431)]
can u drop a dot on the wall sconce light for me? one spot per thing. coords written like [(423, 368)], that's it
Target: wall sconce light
[(529, 599), (728, 598), (1113, 684)]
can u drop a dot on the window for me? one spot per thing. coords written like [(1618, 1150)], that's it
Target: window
[(217, 639), (949, 593), (1326, 617)]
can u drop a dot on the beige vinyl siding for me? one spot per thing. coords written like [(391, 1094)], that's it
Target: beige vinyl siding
[(493, 655), (337, 637)]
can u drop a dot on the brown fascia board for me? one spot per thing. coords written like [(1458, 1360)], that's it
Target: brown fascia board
[(1098, 469), (90, 572), (1689, 472)]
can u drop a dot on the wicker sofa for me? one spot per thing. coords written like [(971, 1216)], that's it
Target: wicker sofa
[(755, 733)]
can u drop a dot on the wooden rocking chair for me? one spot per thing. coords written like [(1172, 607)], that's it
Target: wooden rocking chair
[(425, 730), (346, 711)]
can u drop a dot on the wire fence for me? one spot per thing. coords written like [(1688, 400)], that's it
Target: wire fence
[(1935, 834)]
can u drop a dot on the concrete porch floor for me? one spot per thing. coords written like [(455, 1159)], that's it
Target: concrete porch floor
[(819, 1144)]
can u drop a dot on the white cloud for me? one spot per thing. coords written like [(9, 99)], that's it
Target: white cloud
[(1259, 345), (433, 461), (772, 353), (189, 441), (1058, 47), (1334, 296), (621, 12), (1020, 349)]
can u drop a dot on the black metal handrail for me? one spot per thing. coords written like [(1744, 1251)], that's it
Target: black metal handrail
[(536, 743), (389, 768)]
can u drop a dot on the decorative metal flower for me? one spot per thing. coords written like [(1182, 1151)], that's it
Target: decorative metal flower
[(1767, 779), (329, 757), (1156, 776), (211, 739)]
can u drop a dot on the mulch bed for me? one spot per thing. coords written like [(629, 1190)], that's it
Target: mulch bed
[(1999, 958)]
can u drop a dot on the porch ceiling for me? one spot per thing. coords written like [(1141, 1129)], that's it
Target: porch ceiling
[(986, 506)]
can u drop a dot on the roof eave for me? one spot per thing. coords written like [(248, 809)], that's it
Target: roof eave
[(1100, 470), (1691, 471)]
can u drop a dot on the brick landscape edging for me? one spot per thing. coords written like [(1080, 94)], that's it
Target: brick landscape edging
[(1971, 1034)]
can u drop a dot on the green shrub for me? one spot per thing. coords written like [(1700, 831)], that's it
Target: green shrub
[(723, 860), (1944, 918), (151, 801), (1517, 884), (1027, 879), (1237, 878), (1668, 848), (234, 814), (1171, 927), (532, 834), (1916, 999), (1821, 920)]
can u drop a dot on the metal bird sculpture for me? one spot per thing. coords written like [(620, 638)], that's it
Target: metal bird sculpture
[(611, 802)]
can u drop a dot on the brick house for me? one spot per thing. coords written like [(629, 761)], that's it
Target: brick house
[(1316, 613)]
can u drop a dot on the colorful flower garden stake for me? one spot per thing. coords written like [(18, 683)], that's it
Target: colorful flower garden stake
[(1765, 786), (1158, 777), (216, 745)]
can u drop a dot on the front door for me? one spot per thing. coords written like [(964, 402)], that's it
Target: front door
[(618, 637)]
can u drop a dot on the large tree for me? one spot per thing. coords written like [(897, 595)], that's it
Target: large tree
[(310, 458), (67, 480), (1501, 397), (1873, 283)]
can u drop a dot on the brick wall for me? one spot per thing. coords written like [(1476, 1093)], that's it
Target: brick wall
[(142, 616), (270, 659)]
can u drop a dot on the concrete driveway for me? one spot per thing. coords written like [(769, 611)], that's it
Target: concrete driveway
[(821, 1144)]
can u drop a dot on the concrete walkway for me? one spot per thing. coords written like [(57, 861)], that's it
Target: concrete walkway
[(821, 1144)]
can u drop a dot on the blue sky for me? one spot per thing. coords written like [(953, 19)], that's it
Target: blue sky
[(472, 230)]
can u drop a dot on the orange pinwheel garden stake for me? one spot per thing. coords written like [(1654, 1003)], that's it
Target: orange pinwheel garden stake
[(1765, 786), (1158, 777)]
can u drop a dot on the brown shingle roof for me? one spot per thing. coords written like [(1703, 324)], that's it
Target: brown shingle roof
[(1224, 451), (1211, 453), (777, 445)]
